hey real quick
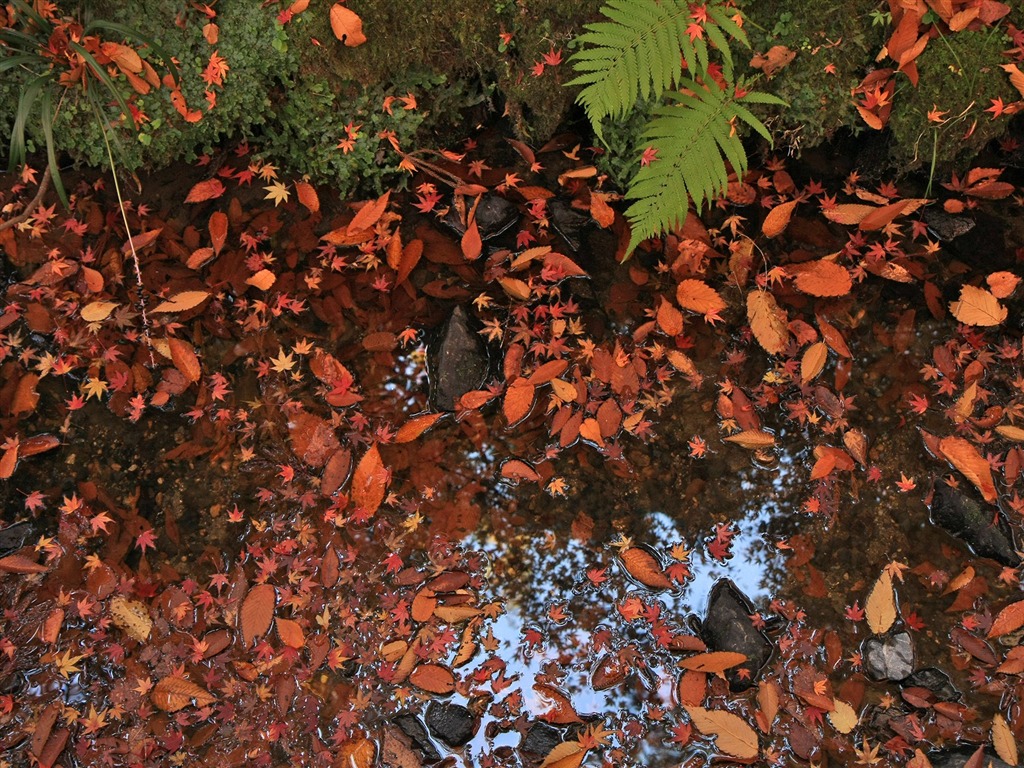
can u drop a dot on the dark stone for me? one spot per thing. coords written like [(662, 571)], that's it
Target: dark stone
[(540, 739), (958, 759), (14, 537), (727, 626), (457, 361), (494, 216), (571, 224), (413, 727), (946, 226), (889, 657), (962, 516), (936, 681), (451, 723)]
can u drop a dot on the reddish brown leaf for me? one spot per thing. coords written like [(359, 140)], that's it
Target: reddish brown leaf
[(692, 688), (777, 220), (517, 469), (218, 227), (768, 321), (433, 678), (713, 661), (336, 471), (257, 612), (670, 319), (975, 467), (174, 693), (20, 564), (645, 568), (307, 196), (291, 633), (1010, 619), (518, 401), (698, 296), (371, 212), (416, 426), (210, 189), (472, 245), (411, 254), (185, 360), (370, 481), (548, 371), (821, 278)]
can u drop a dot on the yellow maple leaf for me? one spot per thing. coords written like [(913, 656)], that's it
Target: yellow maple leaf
[(277, 192), (94, 388), (67, 664), (283, 362)]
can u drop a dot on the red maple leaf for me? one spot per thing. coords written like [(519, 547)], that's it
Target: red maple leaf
[(146, 539)]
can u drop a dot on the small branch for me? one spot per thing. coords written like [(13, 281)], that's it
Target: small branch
[(36, 202)]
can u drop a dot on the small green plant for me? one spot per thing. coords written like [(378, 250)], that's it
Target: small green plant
[(55, 56), (693, 138)]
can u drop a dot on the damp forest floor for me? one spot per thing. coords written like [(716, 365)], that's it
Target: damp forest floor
[(434, 479)]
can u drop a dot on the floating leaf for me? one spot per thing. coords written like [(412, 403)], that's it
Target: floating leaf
[(813, 361), (752, 439), (370, 481), (472, 244), (670, 319), (347, 26), (645, 568), (98, 310), (180, 302), (20, 564), (291, 633), (732, 734), (1011, 432), (257, 612), (1003, 740), (843, 717), (185, 360), (517, 469), (977, 306), (371, 212), (713, 661), (518, 401), (768, 322), (975, 467), (848, 213), (264, 280), (880, 608), (132, 617), (1010, 619), (433, 678), (821, 278), (218, 228), (210, 189), (698, 296), (307, 195), (777, 220), (416, 426), (568, 754), (174, 693)]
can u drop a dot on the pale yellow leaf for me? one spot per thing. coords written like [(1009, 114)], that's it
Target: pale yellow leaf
[(98, 310), (732, 734), (843, 717), (1003, 741), (977, 306)]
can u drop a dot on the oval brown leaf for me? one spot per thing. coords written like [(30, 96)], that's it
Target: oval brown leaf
[(1010, 619), (752, 439), (174, 693), (645, 568), (975, 467), (257, 612), (880, 608), (185, 360), (732, 734), (433, 678), (472, 244), (777, 220), (713, 661), (822, 278), (698, 296), (517, 469), (291, 633), (370, 481), (210, 189), (1003, 740), (768, 321), (218, 227), (182, 301), (371, 212), (977, 306), (813, 360), (670, 319), (518, 401), (416, 426), (347, 26)]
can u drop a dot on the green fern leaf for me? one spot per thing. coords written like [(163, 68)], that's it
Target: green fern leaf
[(697, 148)]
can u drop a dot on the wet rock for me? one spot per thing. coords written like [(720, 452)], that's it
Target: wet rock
[(494, 216), (570, 223), (540, 739), (727, 627), (451, 723), (14, 537), (413, 727), (946, 226), (962, 516), (936, 681), (457, 361), (959, 758), (889, 657)]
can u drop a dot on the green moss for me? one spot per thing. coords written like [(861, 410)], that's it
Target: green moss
[(958, 75), (834, 43)]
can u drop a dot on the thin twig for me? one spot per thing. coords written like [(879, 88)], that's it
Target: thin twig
[(36, 202)]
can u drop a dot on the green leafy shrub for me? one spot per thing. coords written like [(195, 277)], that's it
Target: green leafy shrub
[(693, 139)]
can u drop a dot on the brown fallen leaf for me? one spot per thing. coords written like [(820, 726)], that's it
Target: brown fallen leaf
[(732, 734), (645, 568), (880, 607)]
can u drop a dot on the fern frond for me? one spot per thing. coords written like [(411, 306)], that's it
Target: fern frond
[(697, 147)]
